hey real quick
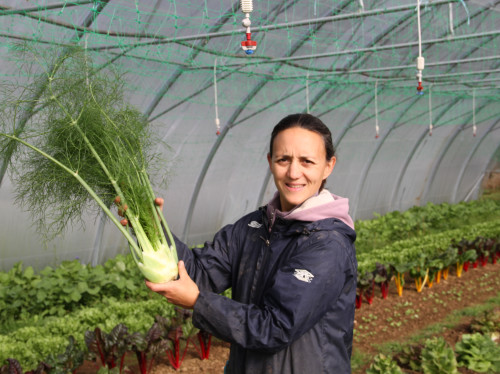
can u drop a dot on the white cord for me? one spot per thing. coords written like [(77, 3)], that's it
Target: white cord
[(376, 112), (430, 112), (217, 121), (450, 13), (419, 30), (307, 92), (474, 128)]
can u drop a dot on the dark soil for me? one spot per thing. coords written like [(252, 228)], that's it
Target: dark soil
[(392, 320)]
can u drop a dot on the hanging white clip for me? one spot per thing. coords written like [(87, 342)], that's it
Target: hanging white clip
[(248, 45)]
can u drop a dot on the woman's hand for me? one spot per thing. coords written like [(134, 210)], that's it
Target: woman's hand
[(182, 292)]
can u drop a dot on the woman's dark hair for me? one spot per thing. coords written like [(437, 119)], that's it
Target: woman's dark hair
[(307, 122)]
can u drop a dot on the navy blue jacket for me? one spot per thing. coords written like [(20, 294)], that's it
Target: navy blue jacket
[(293, 292)]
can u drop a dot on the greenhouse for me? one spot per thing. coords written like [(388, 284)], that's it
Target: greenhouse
[(408, 89)]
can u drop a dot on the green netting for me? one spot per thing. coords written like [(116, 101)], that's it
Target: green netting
[(352, 63)]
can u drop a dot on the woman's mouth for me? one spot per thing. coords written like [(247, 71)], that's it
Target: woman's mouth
[(294, 187)]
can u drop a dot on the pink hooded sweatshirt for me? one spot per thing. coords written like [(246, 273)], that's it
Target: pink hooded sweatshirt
[(317, 207)]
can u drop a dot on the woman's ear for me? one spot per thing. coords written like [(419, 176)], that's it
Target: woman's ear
[(269, 160), (329, 167)]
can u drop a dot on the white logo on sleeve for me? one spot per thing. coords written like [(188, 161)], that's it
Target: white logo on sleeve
[(303, 275), (255, 224)]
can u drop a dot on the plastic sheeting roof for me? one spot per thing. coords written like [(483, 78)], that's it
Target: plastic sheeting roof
[(351, 63)]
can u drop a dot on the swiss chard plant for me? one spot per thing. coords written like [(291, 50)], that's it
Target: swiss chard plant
[(382, 278), (149, 346), (110, 348), (419, 271)]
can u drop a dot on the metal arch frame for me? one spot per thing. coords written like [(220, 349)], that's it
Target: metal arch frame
[(364, 50), (417, 144), (433, 170), (419, 141), (371, 158), (467, 160), (7, 12), (287, 25), (230, 124), (400, 22), (180, 71), (442, 154), (89, 19), (412, 152)]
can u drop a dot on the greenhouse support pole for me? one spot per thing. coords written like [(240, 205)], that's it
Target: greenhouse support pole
[(467, 160)]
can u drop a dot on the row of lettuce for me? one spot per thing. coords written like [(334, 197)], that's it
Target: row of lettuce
[(475, 352), (39, 311)]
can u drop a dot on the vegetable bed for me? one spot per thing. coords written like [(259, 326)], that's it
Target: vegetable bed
[(40, 310)]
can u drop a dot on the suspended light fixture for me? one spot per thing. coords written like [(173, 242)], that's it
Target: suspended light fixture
[(248, 45), (420, 59)]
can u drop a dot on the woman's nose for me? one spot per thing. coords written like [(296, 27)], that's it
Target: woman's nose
[(294, 170)]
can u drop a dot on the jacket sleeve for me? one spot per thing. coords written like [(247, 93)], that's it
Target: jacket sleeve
[(292, 304), (209, 266)]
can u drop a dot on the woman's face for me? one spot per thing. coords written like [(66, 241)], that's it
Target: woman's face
[(298, 165)]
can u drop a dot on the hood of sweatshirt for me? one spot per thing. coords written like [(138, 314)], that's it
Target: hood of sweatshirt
[(317, 207)]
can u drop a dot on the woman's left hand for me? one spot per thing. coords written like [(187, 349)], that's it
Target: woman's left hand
[(182, 292)]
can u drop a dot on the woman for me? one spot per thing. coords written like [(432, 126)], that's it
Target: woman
[(291, 266)]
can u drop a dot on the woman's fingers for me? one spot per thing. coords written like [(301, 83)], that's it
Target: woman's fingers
[(159, 202), (182, 292)]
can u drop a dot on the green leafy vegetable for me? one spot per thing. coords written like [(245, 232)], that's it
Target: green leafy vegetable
[(438, 357), (479, 353), (383, 364)]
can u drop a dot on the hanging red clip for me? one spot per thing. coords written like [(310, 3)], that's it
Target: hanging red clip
[(249, 45), (420, 89)]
